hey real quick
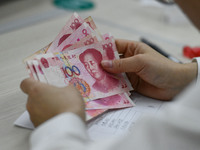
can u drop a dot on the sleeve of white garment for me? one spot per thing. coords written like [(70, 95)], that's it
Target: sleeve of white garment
[(197, 59), (65, 131), (177, 127)]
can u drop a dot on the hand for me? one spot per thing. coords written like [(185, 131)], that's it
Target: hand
[(46, 101), (149, 72)]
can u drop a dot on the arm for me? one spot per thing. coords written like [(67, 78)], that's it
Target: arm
[(191, 9), (65, 131)]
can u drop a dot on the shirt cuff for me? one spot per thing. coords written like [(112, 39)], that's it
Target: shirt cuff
[(60, 127), (197, 60)]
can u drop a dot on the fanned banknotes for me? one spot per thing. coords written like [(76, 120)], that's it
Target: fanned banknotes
[(74, 57)]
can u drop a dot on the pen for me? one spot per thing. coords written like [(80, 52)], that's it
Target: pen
[(158, 49), (166, 2)]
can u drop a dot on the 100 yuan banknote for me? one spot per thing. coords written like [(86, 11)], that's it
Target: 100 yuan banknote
[(72, 24), (88, 40), (86, 64), (83, 31)]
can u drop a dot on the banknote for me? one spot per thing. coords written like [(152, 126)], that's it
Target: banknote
[(92, 24), (30, 72), (72, 24), (41, 51), (107, 48), (107, 36), (51, 67), (38, 71), (76, 36), (31, 69), (111, 102), (90, 114), (88, 40), (95, 81)]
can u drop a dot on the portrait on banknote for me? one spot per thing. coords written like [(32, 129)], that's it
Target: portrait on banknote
[(91, 59)]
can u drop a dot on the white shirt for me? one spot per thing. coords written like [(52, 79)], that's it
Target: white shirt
[(177, 127)]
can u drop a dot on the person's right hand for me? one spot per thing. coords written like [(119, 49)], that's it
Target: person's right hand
[(149, 72)]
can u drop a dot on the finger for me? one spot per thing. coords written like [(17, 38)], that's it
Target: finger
[(125, 45), (131, 64), (30, 85), (27, 84), (28, 105)]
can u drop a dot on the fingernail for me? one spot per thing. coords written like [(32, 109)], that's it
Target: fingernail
[(107, 63)]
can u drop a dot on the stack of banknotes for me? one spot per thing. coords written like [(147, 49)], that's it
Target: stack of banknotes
[(74, 57)]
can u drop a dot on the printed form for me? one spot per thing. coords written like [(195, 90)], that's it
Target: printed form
[(118, 122)]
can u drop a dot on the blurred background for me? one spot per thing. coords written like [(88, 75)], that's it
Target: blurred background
[(129, 19), (15, 14)]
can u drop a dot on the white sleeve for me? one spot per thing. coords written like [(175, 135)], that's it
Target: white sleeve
[(177, 127), (197, 59), (65, 131)]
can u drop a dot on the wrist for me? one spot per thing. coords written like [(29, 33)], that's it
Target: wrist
[(189, 73), (78, 110), (182, 75)]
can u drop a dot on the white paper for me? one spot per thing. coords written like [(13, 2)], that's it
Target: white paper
[(24, 121)]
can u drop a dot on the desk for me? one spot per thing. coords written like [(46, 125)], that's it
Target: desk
[(124, 19)]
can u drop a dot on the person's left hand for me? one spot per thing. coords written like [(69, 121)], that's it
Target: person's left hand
[(46, 101)]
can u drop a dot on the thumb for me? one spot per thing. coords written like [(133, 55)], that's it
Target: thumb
[(27, 85), (130, 64)]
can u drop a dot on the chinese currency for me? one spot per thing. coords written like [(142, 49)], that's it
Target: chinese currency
[(74, 57)]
